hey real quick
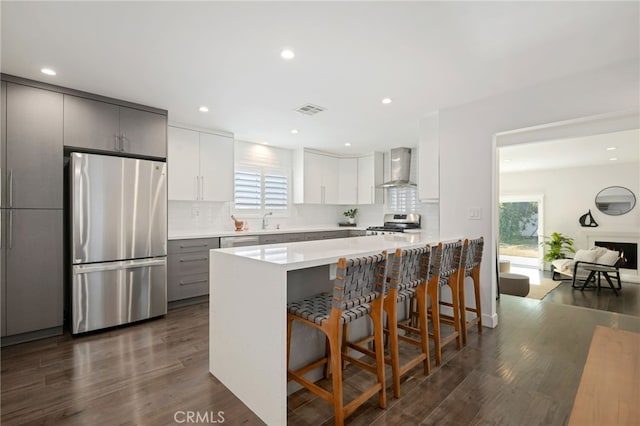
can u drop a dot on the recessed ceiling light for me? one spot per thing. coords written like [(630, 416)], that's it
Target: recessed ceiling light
[(347, 144), (613, 159), (287, 54), (204, 109), (611, 148), (47, 71), (386, 101), (294, 131)]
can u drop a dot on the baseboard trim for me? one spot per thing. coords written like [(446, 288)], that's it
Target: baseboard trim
[(490, 321), (30, 336)]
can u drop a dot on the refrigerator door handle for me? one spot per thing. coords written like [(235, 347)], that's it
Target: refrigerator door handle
[(112, 266), (201, 187), (10, 229), (10, 188)]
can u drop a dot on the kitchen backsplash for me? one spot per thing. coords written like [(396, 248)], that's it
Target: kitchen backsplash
[(189, 217)]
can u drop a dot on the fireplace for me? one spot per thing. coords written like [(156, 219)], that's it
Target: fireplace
[(628, 252)]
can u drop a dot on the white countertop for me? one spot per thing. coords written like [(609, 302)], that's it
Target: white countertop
[(321, 252), (214, 234)]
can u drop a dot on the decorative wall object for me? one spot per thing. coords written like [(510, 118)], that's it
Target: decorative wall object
[(587, 220)]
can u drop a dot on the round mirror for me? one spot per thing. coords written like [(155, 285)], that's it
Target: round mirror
[(615, 200)]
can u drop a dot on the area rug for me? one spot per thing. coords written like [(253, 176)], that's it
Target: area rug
[(539, 291)]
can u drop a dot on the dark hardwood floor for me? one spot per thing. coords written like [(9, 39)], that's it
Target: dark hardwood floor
[(628, 301), (525, 371)]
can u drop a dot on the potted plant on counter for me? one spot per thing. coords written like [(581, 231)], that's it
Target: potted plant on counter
[(351, 215)]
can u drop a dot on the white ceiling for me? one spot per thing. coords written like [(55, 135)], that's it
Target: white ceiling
[(572, 152), (349, 55)]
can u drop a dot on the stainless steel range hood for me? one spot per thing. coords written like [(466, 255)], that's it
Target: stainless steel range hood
[(400, 168)]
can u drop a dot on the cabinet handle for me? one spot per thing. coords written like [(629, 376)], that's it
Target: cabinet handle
[(10, 229), (202, 187), (199, 259), (123, 140), (197, 187), (10, 188), (116, 142), (204, 280), (196, 245)]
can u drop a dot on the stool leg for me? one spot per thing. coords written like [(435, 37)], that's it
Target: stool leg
[(327, 355), (392, 326), (345, 340), (433, 290), (289, 329), (462, 308), (422, 318), (336, 374), (475, 275), (376, 316), (455, 301)]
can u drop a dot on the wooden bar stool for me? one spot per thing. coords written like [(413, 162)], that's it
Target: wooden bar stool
[(445, 271), (472, 263), (358, 291), (406, 279)]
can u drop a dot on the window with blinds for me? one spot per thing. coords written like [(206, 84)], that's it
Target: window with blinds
[(261, 179), (401, 200)]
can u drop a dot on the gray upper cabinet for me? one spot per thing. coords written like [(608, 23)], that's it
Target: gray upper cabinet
[(34, 270), (143, 133), (3, 144), (34, 148), (91, 124), (107, 127)]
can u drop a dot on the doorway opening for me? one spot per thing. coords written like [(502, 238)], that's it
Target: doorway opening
[(521, 230)]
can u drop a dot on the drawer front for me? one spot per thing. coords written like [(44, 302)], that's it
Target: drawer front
[(329, 235), (271, 239), (188, 263), (192, 245), (357, 233), (186, 286), (293, 238), (311, 236)]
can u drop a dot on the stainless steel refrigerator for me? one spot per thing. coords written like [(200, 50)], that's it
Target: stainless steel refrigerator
[(118, 242)]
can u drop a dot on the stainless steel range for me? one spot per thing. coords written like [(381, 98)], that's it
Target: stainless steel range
[(396, 223)]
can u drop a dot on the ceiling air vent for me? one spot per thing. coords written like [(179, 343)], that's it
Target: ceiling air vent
[(310, 109)]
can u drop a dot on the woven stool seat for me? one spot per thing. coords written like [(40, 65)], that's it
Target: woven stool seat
[(318, 308)]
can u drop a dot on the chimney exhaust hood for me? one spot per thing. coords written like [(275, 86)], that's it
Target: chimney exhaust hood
[(400, 168)]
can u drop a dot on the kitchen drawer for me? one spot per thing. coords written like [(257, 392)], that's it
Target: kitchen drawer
[(330, 235), (192, 245), (186, 286), (357, 233), (271, 239), (293, 238), (188, 263), (312, 236)]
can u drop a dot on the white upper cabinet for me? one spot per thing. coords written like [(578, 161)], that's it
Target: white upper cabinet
[(216, 167), (370, 175), (348, 180), (200, 166), (429, 158), (315, 178)]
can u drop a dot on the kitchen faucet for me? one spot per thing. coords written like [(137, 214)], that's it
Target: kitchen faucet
[(264, 220)]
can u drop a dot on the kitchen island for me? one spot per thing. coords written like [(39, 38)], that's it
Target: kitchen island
[(249, 290)]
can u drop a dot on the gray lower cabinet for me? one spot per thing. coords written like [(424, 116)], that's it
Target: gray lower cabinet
[(33, 148), (33, 267), (103, 126), (271, 239), (293, 238), (188, 267), (3, 275)]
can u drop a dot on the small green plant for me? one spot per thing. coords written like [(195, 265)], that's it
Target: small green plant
[(556, 246), (351, 213)]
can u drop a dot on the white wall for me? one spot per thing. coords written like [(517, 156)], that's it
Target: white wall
[(570, 193), (467, 148)]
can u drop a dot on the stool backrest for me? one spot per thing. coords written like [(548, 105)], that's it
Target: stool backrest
[(474, 254), (446, 260), (409, 267), (359, 280)]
